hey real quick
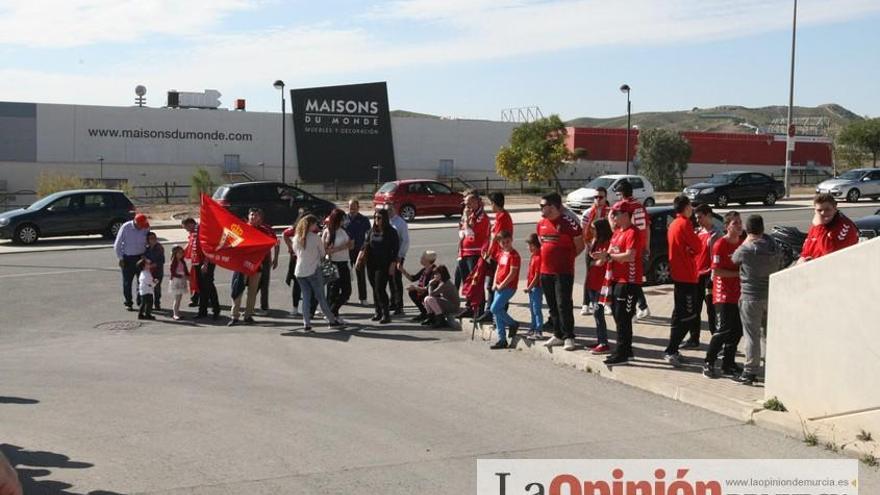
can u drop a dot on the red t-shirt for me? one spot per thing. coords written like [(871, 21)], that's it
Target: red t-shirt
[(503, 221), (628, 272), (839, 233), (596, 273), (507, 262), (474, 233), (725, 290), (557, 244), (640, 219), (534, 268), (704, 259), (590, 216), (684, 247)]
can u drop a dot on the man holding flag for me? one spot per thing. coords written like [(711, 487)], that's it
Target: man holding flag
[(235, 245)]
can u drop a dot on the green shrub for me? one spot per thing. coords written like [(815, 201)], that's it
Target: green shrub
[(51, 182), (201, 183)]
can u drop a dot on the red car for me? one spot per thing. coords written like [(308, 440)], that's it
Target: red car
[(413, 197)]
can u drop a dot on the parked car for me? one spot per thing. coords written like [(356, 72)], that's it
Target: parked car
[(413, 197), (853, 184), (280, 202), (581, 199), (77, 212), (657, 269), (736, 187), (869, 226)]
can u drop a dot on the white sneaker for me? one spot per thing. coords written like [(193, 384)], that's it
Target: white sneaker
[(569, 345), (585, 310), (553, 342), (607, 310), (295, 313), (643, 313)]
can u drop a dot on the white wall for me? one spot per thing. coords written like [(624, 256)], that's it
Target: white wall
[(823, 338)]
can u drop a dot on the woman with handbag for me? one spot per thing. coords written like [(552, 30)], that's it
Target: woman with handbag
[(310, 253), (337, 243), (379, 255)]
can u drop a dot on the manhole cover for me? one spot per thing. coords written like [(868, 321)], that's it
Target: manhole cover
[(118, 325)]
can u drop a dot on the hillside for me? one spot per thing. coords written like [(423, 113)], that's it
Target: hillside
[(724, 118)]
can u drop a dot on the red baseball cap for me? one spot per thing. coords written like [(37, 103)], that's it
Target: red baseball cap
[(141, 222)]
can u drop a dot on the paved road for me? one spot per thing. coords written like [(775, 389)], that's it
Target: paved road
[(167, 408)]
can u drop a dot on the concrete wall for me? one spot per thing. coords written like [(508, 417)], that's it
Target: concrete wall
[(823, 338)]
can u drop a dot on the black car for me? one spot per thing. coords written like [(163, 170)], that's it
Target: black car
[(280, 202), (736, 187), (77, 212), (869, 226), (657, 268)]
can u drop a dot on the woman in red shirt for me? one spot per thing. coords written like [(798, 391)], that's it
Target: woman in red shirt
[(601, 241)]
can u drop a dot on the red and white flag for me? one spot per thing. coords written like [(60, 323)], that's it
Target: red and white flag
[(229, 241)]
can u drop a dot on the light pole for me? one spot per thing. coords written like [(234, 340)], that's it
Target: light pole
[(378, 169), (789, 141), (101, 162), (262, 166), (279, 85), (625, 89)]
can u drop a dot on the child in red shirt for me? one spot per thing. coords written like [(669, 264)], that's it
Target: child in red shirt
[(533, 288), (504, 285), (601, 241)]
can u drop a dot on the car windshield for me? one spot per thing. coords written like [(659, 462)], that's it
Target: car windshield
[(388, 187), (721, 179), (600, 182), (38, 205), (851, 175)]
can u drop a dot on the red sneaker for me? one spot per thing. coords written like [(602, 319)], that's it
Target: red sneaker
[(600, 349)]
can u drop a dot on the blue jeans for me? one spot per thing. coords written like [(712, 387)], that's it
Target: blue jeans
[(502, 319), (599, 316), (313, 287), (536, 306)]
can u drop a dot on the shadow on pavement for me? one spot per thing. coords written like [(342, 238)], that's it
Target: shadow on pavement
[(346, 335), (17, 400), (34, 464)]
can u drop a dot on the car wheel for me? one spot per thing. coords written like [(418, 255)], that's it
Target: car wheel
[(27, 234), (770, 200), (408, 212), (660, 273), (853, 195), (113, 229), (722, 201), (649, 202)]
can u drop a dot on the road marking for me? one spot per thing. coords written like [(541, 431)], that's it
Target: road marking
[(36, 274)]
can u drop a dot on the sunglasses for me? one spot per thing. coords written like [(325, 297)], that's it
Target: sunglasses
[(543, 204), (600, 197)]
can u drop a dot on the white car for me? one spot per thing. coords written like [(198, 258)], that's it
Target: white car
[(581, 199)]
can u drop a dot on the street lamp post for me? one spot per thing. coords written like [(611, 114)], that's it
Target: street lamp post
[(101, 170), (279, 85), (625, 89), (262, 166), (789, 141), (378, 169)]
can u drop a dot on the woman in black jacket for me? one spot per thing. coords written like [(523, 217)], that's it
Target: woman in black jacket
[(379, 255)]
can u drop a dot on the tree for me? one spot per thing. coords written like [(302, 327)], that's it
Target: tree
[(202, 183), (663, 157), (536, 152), (863, 135)]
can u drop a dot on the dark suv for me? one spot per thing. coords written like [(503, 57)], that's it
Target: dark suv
[(736, 187), (78, 212), (280, 202)]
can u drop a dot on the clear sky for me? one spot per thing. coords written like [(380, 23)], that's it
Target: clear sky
[(461, 58)]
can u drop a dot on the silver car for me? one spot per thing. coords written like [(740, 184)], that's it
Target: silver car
[(853, 184)]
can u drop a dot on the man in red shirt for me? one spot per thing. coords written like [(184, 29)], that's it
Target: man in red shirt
[(599, 209), (473, 234), (626, 270), (502, 223), (684, 247), (708, 234), (831, 230), (562, 240), (642, 221), (725, 295)]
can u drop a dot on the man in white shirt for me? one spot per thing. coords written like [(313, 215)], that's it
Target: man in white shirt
[(402, 229)]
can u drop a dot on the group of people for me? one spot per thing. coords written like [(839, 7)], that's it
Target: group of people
[(725, 269)]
